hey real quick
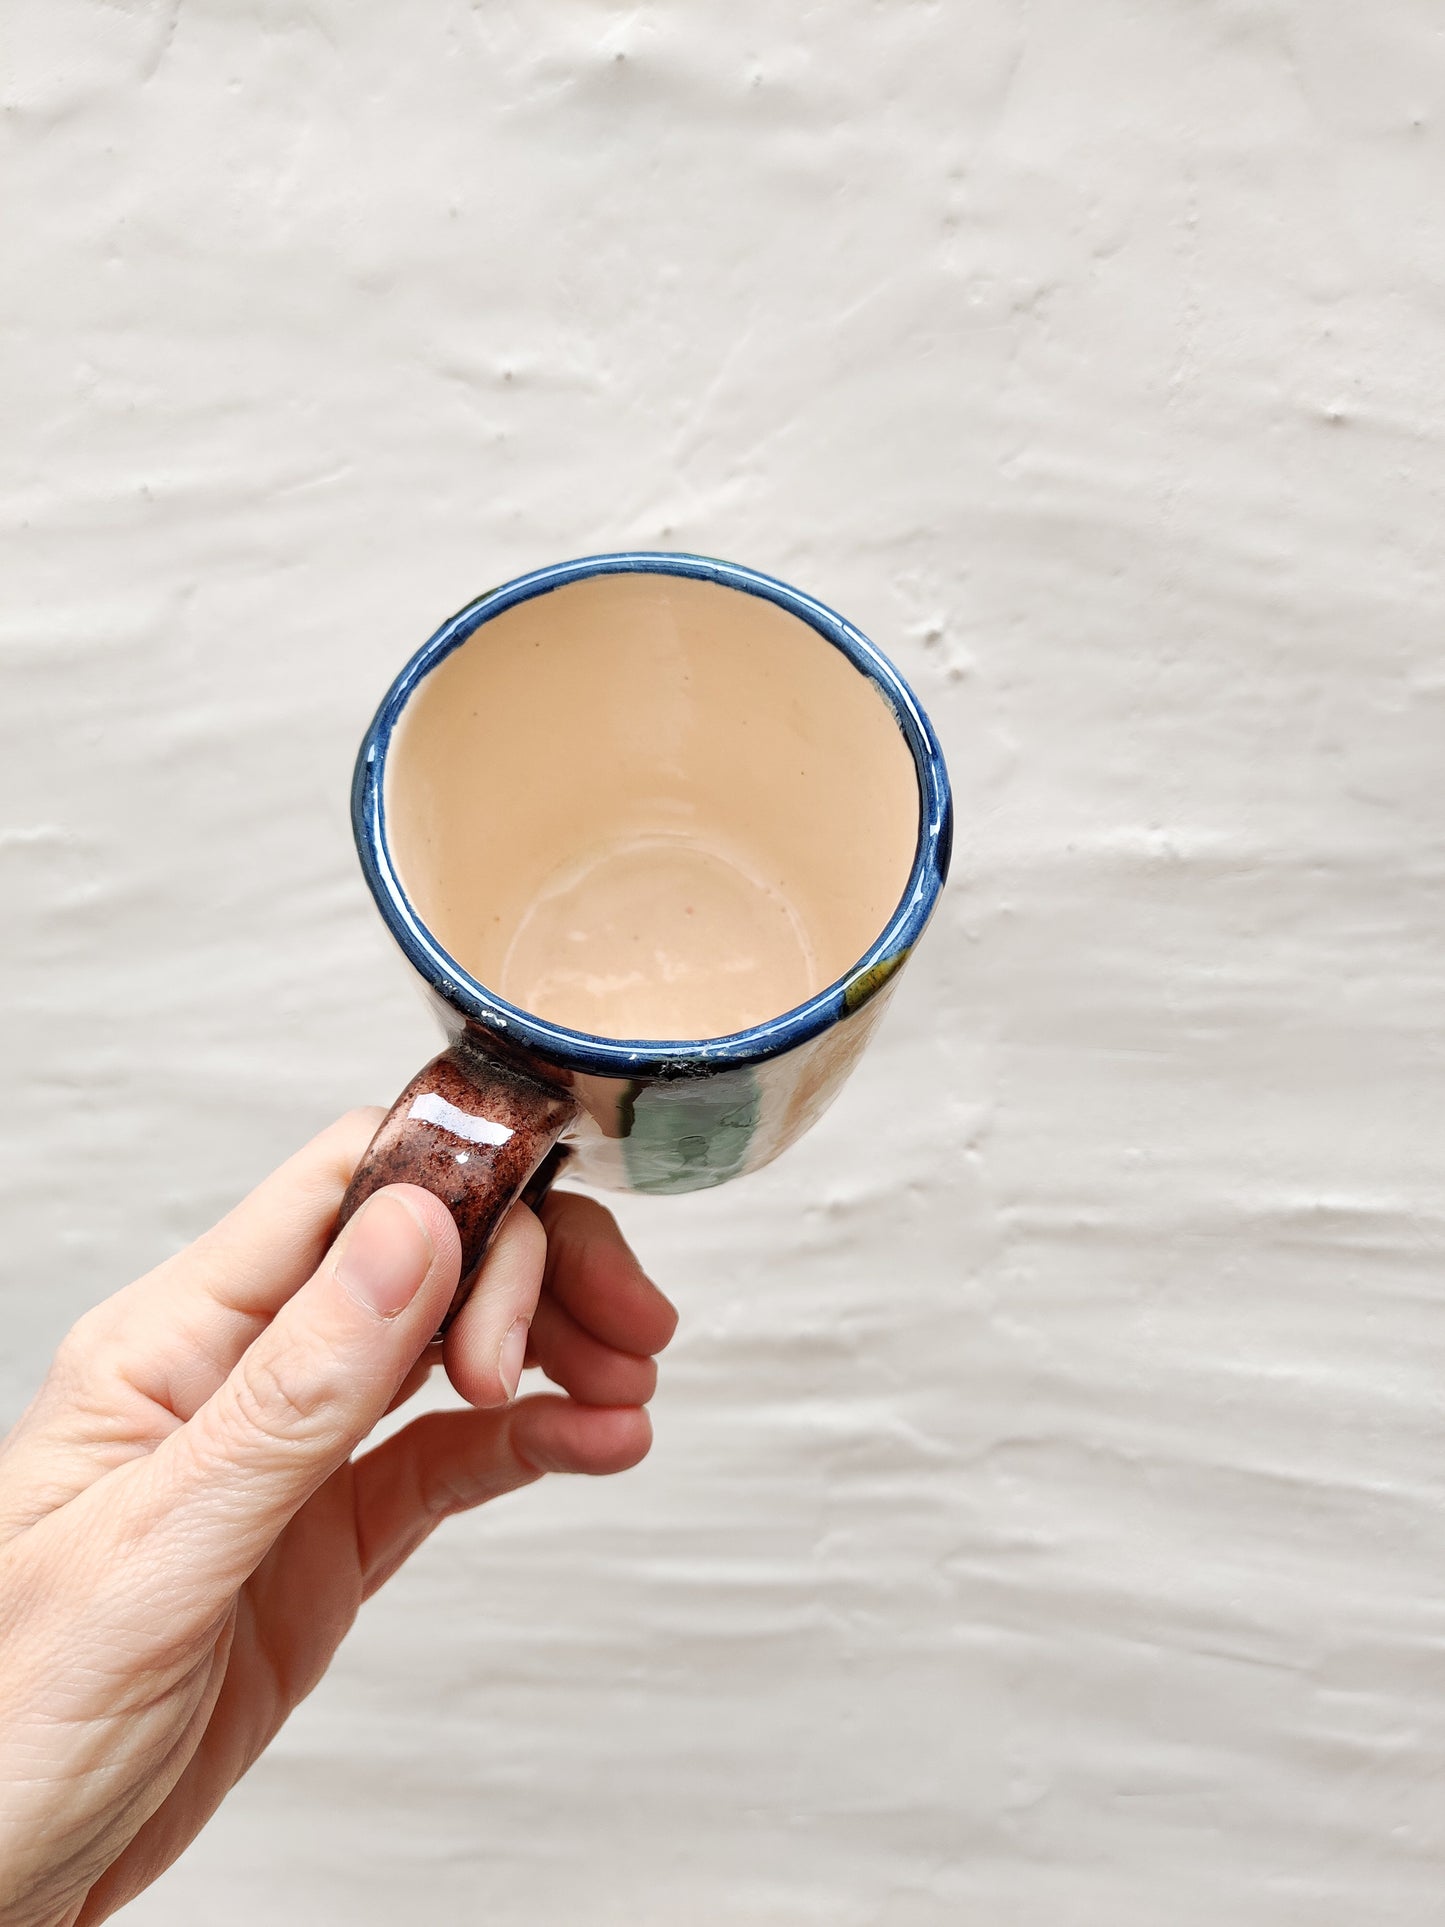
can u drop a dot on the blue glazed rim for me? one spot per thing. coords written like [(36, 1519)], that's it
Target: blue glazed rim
[(646, 1058)]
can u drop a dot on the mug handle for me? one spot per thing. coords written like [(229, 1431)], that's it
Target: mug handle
[(476, 1134)]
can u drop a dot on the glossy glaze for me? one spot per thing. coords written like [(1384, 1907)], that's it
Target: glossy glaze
[(471, 1131)]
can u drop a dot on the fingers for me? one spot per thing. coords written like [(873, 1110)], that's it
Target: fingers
[(594, 1328), (594, 1373), (448, 1462), (487, 1343), (592, 1331), (309, 1389), (593, 1274)]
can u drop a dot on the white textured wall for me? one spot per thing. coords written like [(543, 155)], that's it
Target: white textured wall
[(1047, 1520)]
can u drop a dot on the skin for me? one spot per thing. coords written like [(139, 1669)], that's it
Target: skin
[(187, 1529)]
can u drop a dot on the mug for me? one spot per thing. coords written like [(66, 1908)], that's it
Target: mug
[(658, 834)]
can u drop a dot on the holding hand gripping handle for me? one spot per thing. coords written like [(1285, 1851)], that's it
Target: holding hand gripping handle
[(478, 1136)]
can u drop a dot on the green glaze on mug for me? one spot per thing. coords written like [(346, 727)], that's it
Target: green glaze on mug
[(693, 1134)]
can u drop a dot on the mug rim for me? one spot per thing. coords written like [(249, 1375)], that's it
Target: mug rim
[(581, 1051)]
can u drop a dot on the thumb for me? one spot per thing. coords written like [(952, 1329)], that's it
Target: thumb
[(312, 1385)]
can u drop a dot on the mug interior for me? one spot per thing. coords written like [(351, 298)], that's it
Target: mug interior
[(650, 806)]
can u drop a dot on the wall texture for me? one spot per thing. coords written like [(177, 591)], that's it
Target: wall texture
[(1047, 1519)]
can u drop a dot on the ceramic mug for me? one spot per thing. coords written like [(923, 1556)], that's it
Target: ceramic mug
[(658, 834)]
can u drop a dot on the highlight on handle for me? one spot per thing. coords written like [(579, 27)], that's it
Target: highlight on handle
[(475, 1134)]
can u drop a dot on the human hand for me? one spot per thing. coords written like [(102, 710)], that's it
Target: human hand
[(184, 1534)]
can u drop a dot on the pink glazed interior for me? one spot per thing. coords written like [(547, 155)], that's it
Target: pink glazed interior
[(647, 806)]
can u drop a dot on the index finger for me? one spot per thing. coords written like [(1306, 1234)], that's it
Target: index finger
[(592, 1271)]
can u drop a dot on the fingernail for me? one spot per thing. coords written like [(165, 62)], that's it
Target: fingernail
[(386, 1256), (514, 1352)]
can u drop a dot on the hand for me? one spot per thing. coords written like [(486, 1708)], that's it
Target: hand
[(184, 1534)]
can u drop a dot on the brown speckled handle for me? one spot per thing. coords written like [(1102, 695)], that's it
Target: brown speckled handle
[(478, 1136)]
